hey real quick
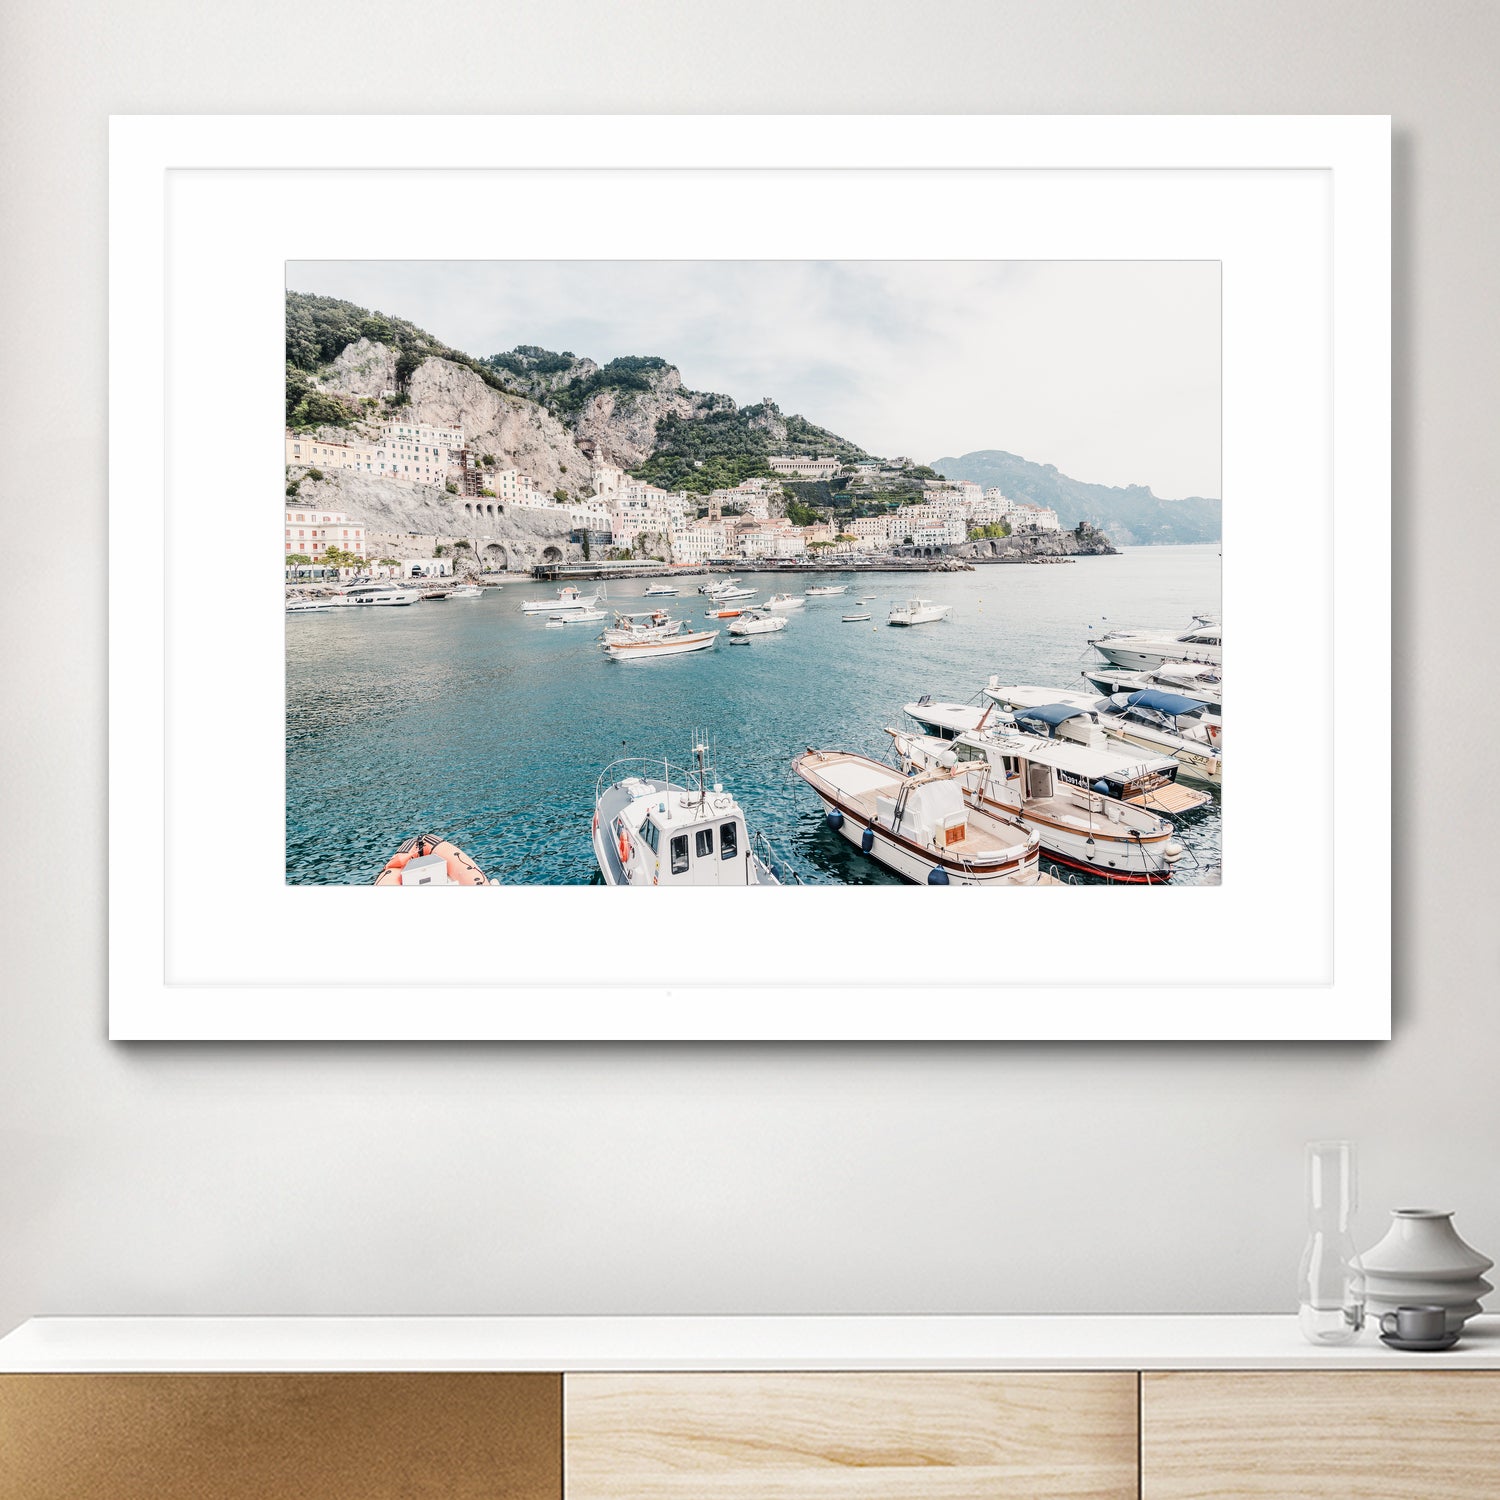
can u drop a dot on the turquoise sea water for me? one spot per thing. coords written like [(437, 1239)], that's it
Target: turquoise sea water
[(467, 719)]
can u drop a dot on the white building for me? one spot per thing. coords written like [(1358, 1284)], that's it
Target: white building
[(313, 532), (409, 452), (698, 541), (1024, 517), (805, 468)]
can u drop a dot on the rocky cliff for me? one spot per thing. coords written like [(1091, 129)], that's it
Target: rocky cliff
[(1085, 541)]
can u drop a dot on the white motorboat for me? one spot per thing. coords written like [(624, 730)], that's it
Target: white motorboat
[(822, 589), (755, 623), (851, 619), (1078, 827), (568, 598), (918, 612), (919, 826), (366, 595), (1071, 741), (578, 617), (673, 643), (712, 586), (662, 591), (1144, 650), (648, 625), (465, 591), (307, 604), (785, 601), (1161, 722), (734, 591), (1195, 679), (653, 826)]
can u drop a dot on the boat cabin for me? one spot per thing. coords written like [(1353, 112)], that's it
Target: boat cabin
[(668, 836)]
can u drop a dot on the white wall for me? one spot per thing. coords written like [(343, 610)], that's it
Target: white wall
[(241, 1179)]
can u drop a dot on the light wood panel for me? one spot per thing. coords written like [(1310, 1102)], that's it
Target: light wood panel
[(1321, 1435), (281, 1437), (932, 1435)]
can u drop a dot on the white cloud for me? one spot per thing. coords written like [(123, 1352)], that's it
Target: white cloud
[(1110, 370)]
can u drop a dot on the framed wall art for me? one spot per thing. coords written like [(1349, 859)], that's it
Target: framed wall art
[(740, 578)]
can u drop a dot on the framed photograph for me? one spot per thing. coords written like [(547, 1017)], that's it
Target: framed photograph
[(523, 528)]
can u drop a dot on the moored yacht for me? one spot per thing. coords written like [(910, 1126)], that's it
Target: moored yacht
[(1079, 827), (657, 826), (662, 591), (919, 826), (918, 612), (305, 604), (646, 625), (568, 598), (465, 591), (1144, 650), (365, 595), (712, 586), (784, 601), (755, 623), (734, 591), (1165, 723), (1070, 741), (1196, 679), (818, 590)]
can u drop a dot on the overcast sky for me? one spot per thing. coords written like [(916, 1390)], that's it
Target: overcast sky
[(1110, 370)]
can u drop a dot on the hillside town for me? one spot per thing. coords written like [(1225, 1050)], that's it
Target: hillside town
[(621, 516)]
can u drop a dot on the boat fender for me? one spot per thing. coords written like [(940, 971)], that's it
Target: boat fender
[(937, 876), (835, 820), (1174, 850), (867, 840), (1102, 787)]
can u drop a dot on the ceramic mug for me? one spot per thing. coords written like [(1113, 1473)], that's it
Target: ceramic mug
[(1424, 1322)]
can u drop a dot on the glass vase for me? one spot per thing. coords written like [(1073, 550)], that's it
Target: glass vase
[(1331, 1283)]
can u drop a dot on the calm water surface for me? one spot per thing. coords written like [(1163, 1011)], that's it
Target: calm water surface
[(467, 719)]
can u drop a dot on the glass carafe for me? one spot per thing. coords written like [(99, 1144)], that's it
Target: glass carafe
[(1331, 1284)]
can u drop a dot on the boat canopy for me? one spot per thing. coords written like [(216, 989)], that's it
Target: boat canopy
[(1050, 714), (1174, 705)]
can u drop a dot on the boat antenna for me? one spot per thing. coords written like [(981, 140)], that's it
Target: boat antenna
[(701, 750)]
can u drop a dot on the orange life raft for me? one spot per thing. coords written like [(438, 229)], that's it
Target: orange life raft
[(461, 869)]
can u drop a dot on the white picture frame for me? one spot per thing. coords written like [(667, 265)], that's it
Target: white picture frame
[(208, 942)]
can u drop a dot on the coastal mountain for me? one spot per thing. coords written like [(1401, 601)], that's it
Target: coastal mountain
[(548, 414), (1128, 514)]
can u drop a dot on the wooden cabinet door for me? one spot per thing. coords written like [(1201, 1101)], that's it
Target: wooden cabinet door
[(1321, 1435), (919, 1436), (281, 1437)]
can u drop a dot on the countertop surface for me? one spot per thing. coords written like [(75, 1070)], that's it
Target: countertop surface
[(576, 1344)]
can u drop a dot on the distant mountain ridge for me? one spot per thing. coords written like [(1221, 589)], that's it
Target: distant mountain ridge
[(1128, 514)]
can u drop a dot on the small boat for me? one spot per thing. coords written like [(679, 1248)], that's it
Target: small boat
[(1145, 650), (662, 591), (568, 598), (367, 595), (657, 826), (577, 617), (1079, 827), (429, 860), (712, 586), (755, 623), (672, 644), (819, 590), (918, 612), (734, 591), (851, 619), (785, 601), (722, 614), (556, 623), (919, 826), (465, 591), (307, 604)]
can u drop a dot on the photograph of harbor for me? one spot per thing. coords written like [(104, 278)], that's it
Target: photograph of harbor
[(943, 608)]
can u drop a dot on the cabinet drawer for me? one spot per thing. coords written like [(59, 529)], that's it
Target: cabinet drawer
[(1321, 1435), (920, 1436), (281, 1437)]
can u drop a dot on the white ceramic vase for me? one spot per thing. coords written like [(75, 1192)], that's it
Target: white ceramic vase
[(1422, 1260)]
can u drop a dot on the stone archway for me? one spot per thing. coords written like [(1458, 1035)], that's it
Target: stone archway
[(551, 554), (494, 556)]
